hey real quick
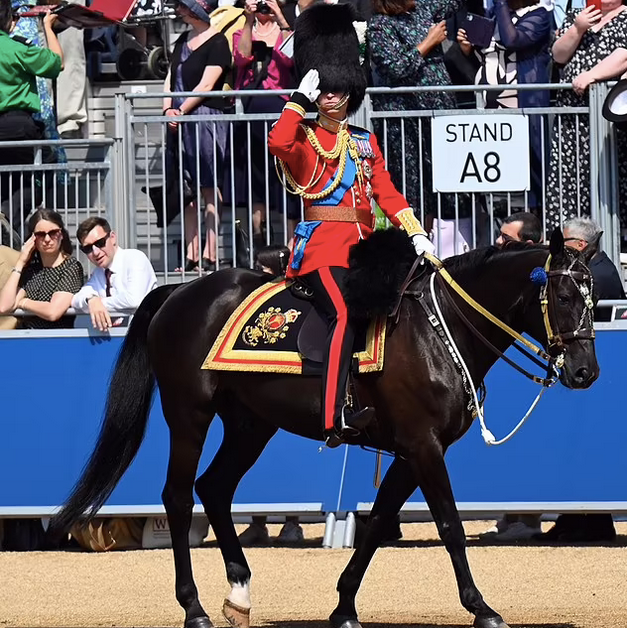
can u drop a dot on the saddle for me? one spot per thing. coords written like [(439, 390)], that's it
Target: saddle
[(276, 329)]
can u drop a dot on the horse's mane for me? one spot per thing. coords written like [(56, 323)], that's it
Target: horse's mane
[(487, 255), (379, 265)]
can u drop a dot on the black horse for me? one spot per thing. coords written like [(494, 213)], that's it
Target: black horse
[(421, 406)]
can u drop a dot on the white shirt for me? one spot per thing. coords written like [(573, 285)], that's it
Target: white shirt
[(132, 278)]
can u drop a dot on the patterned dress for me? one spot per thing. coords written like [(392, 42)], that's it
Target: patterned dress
[(41, 282), (396, 62), (568, 188)]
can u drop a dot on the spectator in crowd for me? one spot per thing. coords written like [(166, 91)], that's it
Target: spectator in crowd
[(45, 277), (22, 68), (262, 64), (72, 84), (520, 227), (517, 54), (591, 47), (404, 39), (273, 260), (581, 233), (122, 279), (8, 259), (200, 62)]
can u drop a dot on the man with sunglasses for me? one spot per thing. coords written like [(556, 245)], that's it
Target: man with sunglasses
[(121, 280)]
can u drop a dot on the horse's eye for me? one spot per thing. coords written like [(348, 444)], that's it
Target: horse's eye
[(563, 299)]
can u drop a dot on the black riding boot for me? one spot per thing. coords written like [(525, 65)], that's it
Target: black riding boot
[(349, 423)]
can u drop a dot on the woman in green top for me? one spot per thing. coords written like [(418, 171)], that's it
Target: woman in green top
[(20, 64)]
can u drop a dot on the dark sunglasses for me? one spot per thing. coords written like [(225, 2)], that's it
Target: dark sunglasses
[(89, 248), (53, 233)]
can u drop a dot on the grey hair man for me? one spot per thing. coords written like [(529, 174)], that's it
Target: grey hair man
[(581, 233)]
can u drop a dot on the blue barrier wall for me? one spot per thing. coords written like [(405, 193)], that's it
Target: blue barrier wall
[(571, 450)]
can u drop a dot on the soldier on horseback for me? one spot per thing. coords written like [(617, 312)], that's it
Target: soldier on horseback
[(337, 169)]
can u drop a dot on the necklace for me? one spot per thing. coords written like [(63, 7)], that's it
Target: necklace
[(267, 31)]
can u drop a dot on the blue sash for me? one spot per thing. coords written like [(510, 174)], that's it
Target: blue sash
[(302, 233)]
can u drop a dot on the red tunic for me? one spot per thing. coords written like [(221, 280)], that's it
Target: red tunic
[(330, 242)]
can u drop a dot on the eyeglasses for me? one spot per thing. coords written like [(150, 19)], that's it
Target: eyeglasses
[(507, 238), (89, 248), (53, 233), (578, 239)]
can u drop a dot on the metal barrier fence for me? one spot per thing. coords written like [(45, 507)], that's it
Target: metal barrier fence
[(74, 177), (239, 203)]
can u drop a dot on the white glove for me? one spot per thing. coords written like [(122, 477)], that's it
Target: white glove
[(422, 244), (309, 85)]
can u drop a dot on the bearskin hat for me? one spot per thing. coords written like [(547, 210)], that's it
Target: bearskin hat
[(325, 40)]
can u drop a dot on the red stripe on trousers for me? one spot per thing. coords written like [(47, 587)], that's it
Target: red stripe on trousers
[(335, 349)]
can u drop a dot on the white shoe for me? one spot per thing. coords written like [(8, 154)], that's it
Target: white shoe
[(500, 526), (517, 531), (291, 534)]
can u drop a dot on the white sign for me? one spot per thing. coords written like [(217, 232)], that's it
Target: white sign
[(480, 153)]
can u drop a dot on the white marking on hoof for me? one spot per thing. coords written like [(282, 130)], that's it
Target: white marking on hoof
[(240, 594)]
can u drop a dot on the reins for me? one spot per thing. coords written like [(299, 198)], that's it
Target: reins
[(529, 349)]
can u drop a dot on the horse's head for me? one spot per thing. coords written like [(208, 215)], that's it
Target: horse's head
[(567, 312)]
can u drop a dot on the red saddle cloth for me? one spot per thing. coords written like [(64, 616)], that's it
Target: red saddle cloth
[(272, 331)]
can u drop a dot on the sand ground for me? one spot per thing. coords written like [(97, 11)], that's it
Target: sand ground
[(409, 585)]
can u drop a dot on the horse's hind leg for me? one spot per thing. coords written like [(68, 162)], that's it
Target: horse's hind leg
[(434, 482), (245, 437), (397, 486), (188, 430)]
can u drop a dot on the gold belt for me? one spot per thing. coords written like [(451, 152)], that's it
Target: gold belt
[(339, 214)]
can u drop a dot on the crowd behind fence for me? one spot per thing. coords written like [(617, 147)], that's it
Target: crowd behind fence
[(137, 179)]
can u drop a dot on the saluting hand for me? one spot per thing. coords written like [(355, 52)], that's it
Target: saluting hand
[(309, 85)]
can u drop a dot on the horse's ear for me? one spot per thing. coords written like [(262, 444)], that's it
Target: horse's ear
[(556, 245), (592, 249)]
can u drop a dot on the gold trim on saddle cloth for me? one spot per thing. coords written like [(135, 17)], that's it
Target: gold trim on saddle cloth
[(223, 357)]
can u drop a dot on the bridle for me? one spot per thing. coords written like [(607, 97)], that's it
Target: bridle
[(585, 329), (556, 347)]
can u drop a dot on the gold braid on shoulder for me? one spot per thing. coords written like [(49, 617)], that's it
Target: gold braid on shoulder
[(344, 145)]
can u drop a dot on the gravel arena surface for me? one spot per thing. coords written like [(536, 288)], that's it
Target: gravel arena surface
[(408, 585)]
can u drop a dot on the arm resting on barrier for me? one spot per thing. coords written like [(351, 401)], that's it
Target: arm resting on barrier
[(611, 67), (51, 310), (210, 76)]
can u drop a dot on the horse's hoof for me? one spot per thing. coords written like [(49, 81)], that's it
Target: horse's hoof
[(339, 621), (489, 622), (237, 616), (199, 622)]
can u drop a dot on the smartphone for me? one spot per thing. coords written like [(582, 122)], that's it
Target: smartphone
[(594, 3)]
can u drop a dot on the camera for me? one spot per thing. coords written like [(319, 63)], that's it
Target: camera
[(263, 8)]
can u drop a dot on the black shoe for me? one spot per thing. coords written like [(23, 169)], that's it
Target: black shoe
[(348, 424), (352, 423)]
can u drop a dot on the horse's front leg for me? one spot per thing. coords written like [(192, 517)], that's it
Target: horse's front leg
[(398, 484), (434, 482)]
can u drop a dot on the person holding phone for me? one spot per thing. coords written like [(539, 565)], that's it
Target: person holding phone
[(517, 53), (405, 40), (591, 46), (45, 276), (262, 63)]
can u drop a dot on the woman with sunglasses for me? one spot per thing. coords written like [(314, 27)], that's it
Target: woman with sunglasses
[(45, 276)]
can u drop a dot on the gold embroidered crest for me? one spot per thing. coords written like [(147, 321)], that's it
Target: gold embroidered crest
[(269, 327)]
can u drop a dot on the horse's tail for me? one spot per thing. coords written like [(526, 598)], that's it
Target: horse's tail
[(124, 424)]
